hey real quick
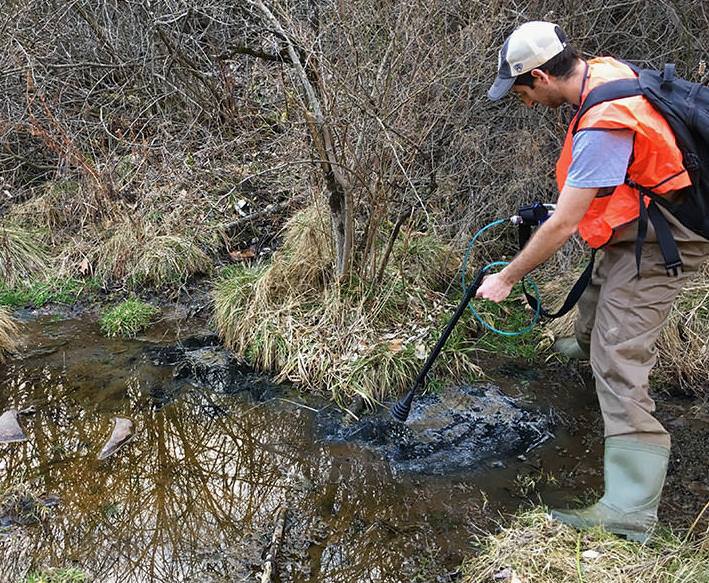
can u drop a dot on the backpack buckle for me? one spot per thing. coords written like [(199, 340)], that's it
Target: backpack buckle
[(668, 76), (675, 267)]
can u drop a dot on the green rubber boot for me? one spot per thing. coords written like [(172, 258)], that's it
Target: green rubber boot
[(569, 346), (634, 474)]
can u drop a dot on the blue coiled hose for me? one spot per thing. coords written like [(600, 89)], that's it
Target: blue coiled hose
[(532, 285)]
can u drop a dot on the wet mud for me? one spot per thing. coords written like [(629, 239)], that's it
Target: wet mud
[(218, 452), (448, 432)]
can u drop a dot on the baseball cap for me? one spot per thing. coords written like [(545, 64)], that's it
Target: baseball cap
[(531, 45)]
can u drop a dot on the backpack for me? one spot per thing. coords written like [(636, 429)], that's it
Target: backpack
[(685, 107)]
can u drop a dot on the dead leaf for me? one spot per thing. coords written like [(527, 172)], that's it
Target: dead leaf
[(84, 267), (396, 345), (242, 255), (421, 351)]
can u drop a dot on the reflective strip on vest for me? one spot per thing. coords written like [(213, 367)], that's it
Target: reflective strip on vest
[(656, 161)]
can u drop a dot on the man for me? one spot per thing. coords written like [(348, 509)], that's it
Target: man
[(622, 311)]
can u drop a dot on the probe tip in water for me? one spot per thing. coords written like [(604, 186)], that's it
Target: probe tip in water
[(401, 410)]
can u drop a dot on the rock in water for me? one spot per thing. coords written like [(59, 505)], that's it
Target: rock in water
[(121, 435), (453, 431), (10, 429)]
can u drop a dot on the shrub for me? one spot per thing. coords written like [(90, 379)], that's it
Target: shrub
[(346, 337)]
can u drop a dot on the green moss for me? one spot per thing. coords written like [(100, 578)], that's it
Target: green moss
[(68, 575), (53, 290), (127, 318)]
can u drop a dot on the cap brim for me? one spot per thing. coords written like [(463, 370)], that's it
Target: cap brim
[(500, 88)]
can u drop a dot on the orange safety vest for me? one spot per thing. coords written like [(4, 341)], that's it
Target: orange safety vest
[(656, 161)]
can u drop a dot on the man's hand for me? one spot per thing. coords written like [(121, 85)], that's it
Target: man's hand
[(495, 287)]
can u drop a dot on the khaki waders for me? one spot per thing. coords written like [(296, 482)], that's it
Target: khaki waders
[(620, 316)]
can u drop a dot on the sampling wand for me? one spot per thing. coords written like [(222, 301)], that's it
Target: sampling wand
[(526, 218)]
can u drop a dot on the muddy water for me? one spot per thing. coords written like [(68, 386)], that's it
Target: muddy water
[(195, 495)]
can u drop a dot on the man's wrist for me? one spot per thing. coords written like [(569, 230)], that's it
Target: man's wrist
[(508, 277)]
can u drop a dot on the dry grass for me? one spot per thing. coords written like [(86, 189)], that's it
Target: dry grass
[(135, 252), (22, 254), (291, 319), (8, 333), (683, 347), (535, 549)]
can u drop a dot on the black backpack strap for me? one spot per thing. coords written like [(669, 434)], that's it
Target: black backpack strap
[(573, 296), (642, 232), (665, 239), (667, 243), (609, 91)]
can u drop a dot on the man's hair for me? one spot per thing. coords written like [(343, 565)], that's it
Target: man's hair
[(561, 65)]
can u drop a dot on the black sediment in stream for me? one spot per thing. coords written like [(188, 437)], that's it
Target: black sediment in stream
[(219, 449)]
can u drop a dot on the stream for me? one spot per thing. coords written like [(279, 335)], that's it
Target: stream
[(194, 496)]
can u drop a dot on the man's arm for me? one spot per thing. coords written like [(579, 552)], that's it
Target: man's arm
[(570, 208)]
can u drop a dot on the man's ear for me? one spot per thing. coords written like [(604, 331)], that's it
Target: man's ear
[(541, 75)]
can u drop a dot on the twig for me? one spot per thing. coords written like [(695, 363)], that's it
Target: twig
[(269, 565)]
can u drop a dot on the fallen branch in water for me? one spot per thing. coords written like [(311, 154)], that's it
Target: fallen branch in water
[(269, 566)]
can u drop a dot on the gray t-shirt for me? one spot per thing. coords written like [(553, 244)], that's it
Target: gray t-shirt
[(600, 158)]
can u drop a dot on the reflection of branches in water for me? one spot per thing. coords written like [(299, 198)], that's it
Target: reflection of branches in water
[(194, 495), (188, 482), (372, 528)]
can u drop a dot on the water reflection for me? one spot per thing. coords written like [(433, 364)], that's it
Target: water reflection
[(194, 496)]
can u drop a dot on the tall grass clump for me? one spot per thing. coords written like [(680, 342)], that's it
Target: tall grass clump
[(294, 319), (22, 254), (170, 259), (535, 548), (135, 253), (8, 333)]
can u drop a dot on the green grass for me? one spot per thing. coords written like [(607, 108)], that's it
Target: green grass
[(53, 290), (68, 575), (128, 318), (511, 315)]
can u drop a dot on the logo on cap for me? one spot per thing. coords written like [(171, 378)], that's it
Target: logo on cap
[(518, 67)]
